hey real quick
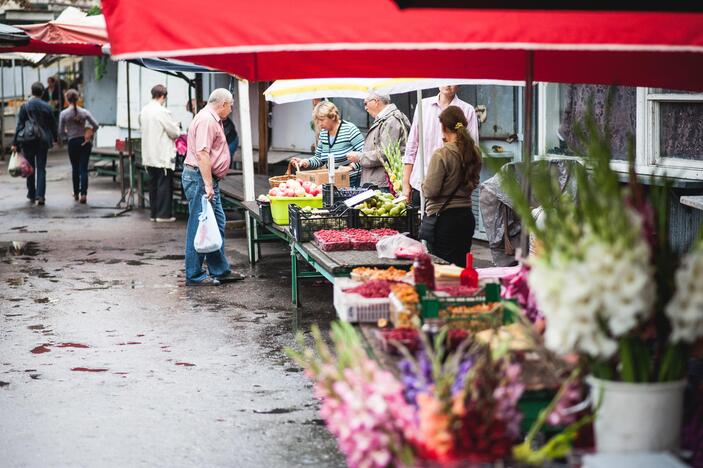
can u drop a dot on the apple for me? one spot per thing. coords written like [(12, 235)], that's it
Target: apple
[(273, 192)]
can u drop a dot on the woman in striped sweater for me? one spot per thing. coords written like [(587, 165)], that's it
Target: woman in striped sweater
[(337, 139)]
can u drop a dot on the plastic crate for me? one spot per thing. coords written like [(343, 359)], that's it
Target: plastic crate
[(341, 194), (409, 222), (303, 225), (352, 307), (279, 206), (265, 212)]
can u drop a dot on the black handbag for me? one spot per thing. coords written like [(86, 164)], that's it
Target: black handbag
[(31, 132), (429, 223)]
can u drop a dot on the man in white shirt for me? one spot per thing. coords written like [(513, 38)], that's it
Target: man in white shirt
[(159, 131), (432, 137)]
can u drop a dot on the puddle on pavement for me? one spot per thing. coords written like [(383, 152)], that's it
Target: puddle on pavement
[(36, 327), (41, 349), (71, 345), (89, 369), (277, 411)]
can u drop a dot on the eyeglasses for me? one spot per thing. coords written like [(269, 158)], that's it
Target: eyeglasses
[(366, 101)]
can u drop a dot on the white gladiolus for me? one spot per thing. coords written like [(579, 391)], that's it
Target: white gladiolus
[(611, 285), (685, 310)]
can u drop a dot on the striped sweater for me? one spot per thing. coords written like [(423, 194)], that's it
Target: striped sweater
[(348, 139)]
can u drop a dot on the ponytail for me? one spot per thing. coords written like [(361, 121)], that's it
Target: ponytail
[(453, 119)]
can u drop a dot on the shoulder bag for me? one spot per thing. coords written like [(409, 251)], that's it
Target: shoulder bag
[(31, 132), (428, 224)]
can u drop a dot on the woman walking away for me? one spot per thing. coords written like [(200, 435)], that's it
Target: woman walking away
[(451, 177), (72, 125)]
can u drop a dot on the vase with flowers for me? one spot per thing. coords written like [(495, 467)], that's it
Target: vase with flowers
[(613, 292)]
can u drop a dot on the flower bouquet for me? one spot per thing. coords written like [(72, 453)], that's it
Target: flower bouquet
[(437, 408), (606, 279), (393, 164)]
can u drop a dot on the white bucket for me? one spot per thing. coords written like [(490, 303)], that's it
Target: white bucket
[(637, 417)]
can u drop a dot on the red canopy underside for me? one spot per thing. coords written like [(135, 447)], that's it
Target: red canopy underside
[(36, 46), (372, 38)]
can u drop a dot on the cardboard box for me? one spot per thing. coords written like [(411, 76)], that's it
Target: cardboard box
[(320, 176)]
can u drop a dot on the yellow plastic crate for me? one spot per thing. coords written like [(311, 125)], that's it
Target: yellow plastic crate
[(279, 206)]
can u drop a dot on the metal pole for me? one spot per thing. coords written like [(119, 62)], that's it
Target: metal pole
[(527, 148), (421, 150), (247, 160), (22, 77), (130, 197), (58, 83), (14, 77), (2, 112)]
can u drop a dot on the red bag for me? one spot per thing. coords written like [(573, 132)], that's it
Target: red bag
[(26, 169)]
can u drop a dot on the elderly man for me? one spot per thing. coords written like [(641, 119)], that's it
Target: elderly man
[(159, 132), (207, 162), (432, 136), (389, 126)]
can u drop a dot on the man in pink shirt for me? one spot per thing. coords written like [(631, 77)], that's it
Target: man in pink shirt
[(207, 162), (432, 137)]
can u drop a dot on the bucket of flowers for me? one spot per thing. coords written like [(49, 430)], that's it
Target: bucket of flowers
[(612, 292)]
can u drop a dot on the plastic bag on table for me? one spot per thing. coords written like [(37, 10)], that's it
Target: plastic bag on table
[(399, 246), (207, 237)]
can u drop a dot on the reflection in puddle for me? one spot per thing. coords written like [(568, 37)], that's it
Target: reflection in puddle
[(18, 248)]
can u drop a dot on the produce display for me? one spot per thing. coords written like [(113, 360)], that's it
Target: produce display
[(423, 271), (474, 318), (458, 291), (373, 288), (366, 274), (404, 301), (296, 188), (382, 205), (333, 240), (408, 337)]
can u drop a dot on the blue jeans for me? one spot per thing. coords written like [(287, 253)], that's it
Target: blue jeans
[(217, 264), (79, 154), (36, 155)]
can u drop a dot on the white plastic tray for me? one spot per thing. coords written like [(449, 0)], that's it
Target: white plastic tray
[(356, 308)]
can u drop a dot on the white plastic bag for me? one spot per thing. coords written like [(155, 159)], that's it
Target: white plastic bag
[(15, 166), (388, 246), (207, 237)]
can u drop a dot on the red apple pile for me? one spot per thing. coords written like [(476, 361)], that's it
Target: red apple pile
[(296, 188)]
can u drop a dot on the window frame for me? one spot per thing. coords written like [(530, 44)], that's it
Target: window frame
[(647, 132)]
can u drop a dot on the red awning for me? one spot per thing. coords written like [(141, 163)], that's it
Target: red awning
[(72, 33), (42, 47), (373, 38)]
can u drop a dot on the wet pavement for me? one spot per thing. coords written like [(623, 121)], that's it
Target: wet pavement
[(107, 359)]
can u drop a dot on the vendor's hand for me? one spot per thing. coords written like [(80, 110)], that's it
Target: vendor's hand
[(353, 157), (209, 192), (13, 149), (301, 163)]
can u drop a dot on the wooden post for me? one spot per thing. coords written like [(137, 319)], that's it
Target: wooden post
[(263, 128)]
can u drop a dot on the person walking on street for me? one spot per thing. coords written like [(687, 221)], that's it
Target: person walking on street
[(390, 126), (72, 126), (34, 135), (432, 136), (159, 132), (206, 164)]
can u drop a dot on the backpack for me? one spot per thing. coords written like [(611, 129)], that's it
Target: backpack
[(32, 131)]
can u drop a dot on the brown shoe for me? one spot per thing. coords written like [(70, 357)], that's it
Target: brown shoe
[(75, 196), (83, 199), (40, 201)]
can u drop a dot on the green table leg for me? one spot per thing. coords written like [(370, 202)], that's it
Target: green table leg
[(294, 274)]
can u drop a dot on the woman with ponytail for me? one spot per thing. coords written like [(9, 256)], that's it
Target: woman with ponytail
[(77, 126), (452, 176)]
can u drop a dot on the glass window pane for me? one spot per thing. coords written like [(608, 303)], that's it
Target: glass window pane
[(353, 110), (573, 103), (672, 91), (681, 130)]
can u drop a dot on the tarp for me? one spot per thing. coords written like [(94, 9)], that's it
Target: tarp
[(287, 39), (284, 91)]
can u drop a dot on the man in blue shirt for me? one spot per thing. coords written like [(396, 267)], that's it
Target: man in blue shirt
[(35, 144)]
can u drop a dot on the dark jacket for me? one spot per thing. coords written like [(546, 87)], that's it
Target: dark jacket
[(44, 116)]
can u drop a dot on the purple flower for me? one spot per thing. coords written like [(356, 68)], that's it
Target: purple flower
[(464, 368), (413, 382)]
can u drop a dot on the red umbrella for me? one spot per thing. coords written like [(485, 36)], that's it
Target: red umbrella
[(373, 38)]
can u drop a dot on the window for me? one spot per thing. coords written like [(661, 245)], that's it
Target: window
[(666, 125)]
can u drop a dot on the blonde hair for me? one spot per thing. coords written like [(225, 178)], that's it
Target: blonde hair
[(325, 109)]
